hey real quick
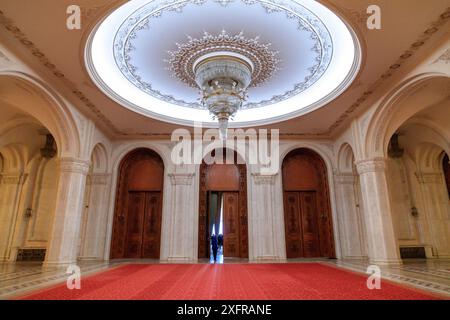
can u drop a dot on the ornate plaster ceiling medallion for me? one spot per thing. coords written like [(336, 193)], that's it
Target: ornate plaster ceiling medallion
[(147, 55), (264, 61)]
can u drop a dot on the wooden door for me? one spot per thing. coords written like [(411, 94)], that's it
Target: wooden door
[(308, 224), (231, 241), (143, 225), (152, 225), (292, 225), (310, 227), (134, 226), (302, 225), (138, 211)]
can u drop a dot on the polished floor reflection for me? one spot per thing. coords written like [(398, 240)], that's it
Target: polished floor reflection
[(219, 258), (17, 279)]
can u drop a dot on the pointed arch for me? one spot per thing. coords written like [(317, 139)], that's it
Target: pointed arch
[(99, 159), (346, 159)]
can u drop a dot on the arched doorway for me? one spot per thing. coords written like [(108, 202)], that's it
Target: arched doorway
[(138, 211), (307, 214), (224, 185), (28, 188)]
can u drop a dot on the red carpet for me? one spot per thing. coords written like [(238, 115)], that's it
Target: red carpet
[(228, 282)]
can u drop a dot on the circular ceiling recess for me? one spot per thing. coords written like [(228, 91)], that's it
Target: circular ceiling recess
[(145, 53)]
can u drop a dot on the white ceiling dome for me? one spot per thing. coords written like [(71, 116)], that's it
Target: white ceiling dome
[(302, 54)]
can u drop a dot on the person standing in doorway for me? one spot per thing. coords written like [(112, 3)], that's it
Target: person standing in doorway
[(220, 240), (214, 246)]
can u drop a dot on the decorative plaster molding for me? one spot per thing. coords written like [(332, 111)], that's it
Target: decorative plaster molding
[(371, 165), (422, 39), (266, 179), (4, 57), (344, 178), (359, 17), (45, 61), (89, 13), (445, 57), (98, 178), (181, 61), (429, 177), (73, 165), (181, 178), (13, 179), (406, 55)]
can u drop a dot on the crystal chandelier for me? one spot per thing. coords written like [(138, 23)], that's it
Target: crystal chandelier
[(223, 79)]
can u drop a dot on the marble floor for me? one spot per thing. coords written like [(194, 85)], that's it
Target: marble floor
[(427, 274), (17, 279)]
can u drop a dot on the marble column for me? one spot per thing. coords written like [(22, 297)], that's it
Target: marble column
[(10, 191), (437, 212), (266, 218), (65, 231), (353, 242), (381, 240), (95, 220), (182, 223)]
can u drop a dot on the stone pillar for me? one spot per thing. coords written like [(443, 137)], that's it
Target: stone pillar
[(437, 212), (10, 191), (96, 216), (65, 231), (181, 237), (266, 218), (353, 242), (381, 240)]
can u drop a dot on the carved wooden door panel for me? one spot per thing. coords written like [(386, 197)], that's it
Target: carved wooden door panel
[(292, 224), (302, 225), (152, 226), (310, 230), (135, 223), (243, 216), (231, 241), (203, 240)]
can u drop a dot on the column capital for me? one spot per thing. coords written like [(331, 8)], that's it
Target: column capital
[(181, 178), (73, 165), (377, 164), (344, 178), (267, 179)]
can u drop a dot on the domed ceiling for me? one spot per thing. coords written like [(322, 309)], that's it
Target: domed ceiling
[(302, 55)]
